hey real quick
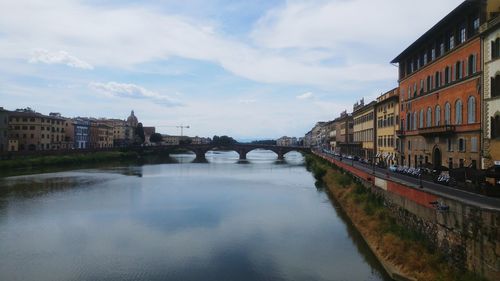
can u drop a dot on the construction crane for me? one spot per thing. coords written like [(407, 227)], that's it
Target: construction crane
[(182, 127)]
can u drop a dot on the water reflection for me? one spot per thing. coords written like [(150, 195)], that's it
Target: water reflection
[(184, 221)]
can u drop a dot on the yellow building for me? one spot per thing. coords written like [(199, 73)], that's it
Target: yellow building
[(387, 109), (34, 131), (364, 129)]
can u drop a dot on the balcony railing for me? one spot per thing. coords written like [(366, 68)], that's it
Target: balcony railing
[(436, 130)]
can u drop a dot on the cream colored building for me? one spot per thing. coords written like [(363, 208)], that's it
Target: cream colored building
[(34, 131), (364, 129), (491, 92), (387, 123)]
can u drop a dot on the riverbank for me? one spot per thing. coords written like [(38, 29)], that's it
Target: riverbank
[(405, 254), (70, 159)]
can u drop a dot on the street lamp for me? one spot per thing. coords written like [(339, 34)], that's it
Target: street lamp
[(420, 172)]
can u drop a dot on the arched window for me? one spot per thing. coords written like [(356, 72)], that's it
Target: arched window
[(429, 117), (471, 110), (495, 127), (408, 122), (437, 79), (421, 123), (458, 70), (458, 112), (495, 85), (414, 127), (495, 49), (447, 114), (437, 115), (447, 75), (471, 66)]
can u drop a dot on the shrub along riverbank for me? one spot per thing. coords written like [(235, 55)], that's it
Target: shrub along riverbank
[(70, 159), (402, 251)]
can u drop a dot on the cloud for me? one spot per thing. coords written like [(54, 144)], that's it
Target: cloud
[(131, 40), (124, 90), (59, 57), (305, 96)]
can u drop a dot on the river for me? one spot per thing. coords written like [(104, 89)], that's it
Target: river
[(222, 220)]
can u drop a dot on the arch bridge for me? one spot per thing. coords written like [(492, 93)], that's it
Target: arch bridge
[(242, 149)]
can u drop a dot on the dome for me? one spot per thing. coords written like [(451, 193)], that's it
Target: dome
[(132, 120)]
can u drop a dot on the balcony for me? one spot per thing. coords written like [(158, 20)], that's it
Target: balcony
[(437, 130), (429, 131)]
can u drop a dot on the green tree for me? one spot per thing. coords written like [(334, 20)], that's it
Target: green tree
[(155, 138), (139, 133)]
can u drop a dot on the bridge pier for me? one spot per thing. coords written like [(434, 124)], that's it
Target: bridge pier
[(243, 154), (281, 155), (200, 156)]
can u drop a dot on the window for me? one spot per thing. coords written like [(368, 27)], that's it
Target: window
[(421, 123), (425, 58), (429, 117), (442, 49), (495, 85), (447, 114), (475, 24), (462, 35), (471, 67), (433, 54), (458, 70), (473, 144), (409, 92), (452, 42), (447, 76), (450, 144), (461, 144), (495, 48), (438, 79), (458, 112), (414, 121), (429, 83), (471, 110), (495, 126), (437, 115)]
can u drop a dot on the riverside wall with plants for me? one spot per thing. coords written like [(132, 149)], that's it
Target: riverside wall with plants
[(412, 238)]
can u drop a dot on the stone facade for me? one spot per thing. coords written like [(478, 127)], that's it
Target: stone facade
[(491, 92)]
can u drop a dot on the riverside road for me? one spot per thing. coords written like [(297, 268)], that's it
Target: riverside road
[(470, 198)]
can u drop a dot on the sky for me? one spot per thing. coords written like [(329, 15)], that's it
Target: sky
[(248, 69)]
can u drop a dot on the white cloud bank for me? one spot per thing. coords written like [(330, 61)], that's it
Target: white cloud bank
[(58, 57), (125, 90)]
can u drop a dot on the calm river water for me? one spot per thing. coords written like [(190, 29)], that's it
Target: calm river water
[(222, 220)]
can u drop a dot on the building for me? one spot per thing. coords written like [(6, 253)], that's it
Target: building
[(200, 140), (345, 133), (173, 140), (4, 125), (69, 133), (491, 92), (101, 134), (387, 123), (318, 136), (286, 141), (34, 131), (148, 131), (307, 141), (81, 133), (440, 91), (132, 120), (364, 129)]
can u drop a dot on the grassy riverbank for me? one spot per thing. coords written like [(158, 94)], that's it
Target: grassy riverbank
[(402, 250), (71, 159)]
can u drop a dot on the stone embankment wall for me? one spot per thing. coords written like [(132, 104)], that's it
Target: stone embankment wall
[(467, 235)]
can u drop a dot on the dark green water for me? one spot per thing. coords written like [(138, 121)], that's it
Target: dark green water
[(222, 220)]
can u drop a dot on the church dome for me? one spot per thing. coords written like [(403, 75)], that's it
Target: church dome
[(132, 120)]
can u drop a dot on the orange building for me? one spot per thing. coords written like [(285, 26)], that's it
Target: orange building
[(440, 92)]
